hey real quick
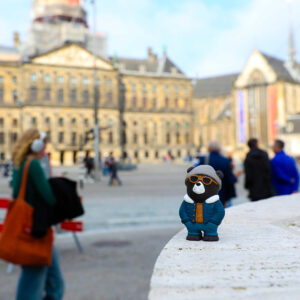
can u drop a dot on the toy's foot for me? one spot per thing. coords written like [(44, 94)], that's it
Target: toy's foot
[(210, 238), (192, 237)]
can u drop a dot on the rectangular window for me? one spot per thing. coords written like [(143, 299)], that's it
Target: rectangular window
[(73, 80), (2, 156), (60, 79), (15, 96), (85, 80), (61, 122), (167, 102), (144, 88), (176, 103), (144, 102), (48, 136), (73, 139), (33, 121), (145, 138), (73, 96), (1, 95), (47, 121), (1, 80), (110, 138), (33, 77), (47, 94), (134, 101), (33, 94), (1, 138), (85, 96), (15, 123), (60, 95), (86, 122), (13, 137), (154, 103), (109, 97), (47, 78), (135, 138), (1, 122), (14, 79), (60, 137), (98, 95)]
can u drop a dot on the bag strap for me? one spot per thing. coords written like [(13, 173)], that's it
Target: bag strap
[(24, 180)]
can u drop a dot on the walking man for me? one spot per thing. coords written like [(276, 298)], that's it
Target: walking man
[(285, 176), (257, 172), (113, 169)]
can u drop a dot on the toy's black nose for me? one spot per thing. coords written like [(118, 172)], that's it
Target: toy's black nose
[(198, 184)]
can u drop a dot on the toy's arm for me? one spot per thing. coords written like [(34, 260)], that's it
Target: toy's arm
[(219, 213), (182, 213)]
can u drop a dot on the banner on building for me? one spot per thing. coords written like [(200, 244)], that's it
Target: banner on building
[(272, 113), (241, 117)]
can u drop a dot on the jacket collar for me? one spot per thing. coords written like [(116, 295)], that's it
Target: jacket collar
[(209, 200)]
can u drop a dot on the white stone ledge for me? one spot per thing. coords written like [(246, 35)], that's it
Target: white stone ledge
[(257, 257)]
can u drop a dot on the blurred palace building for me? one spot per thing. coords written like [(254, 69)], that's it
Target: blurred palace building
[(148, 108)]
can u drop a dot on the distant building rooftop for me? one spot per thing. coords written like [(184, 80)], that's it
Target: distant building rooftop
[(214, 86), (149, 66)]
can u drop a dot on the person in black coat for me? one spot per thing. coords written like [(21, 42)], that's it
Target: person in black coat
[(257, 172)]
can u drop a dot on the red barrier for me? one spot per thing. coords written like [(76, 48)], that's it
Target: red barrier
[(75, 226), (4, 202)]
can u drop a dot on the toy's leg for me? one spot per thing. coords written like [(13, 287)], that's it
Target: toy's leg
[(210, 232), (194, 234)]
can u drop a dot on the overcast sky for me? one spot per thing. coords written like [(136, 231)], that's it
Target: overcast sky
[(203, 37)]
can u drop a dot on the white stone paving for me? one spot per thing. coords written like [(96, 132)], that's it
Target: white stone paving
[(257, 257)]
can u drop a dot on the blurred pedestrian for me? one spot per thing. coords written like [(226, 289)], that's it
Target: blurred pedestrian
[(219, 162), (257, 172), (89, 165), (36, 282), (45, 160), (113, 172), (285, 176)]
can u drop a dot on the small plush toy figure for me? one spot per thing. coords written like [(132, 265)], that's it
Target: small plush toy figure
[(201, 209)]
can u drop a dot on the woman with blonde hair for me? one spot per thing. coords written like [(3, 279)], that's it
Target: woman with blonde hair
[(36, 282)]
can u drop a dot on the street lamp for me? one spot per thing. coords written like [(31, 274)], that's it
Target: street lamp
[(96, 121)]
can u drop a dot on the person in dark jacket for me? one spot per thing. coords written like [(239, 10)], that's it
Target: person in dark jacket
[(219, 162), (257, 172), (113, 170), (285, 176)]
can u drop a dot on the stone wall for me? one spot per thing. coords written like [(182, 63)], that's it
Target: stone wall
[(257, 257)]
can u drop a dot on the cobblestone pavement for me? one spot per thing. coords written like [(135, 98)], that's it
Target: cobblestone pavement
[(125, 229), (150, 195)]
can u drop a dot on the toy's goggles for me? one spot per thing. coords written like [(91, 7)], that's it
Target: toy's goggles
[(204, 179)]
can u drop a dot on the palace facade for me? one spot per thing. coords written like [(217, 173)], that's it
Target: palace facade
[(148, 108)]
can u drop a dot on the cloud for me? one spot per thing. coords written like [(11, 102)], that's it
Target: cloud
[(202, 38), (263, 25)]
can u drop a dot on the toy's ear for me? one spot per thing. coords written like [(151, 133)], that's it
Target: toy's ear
[(190, 169), (220, 174)]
